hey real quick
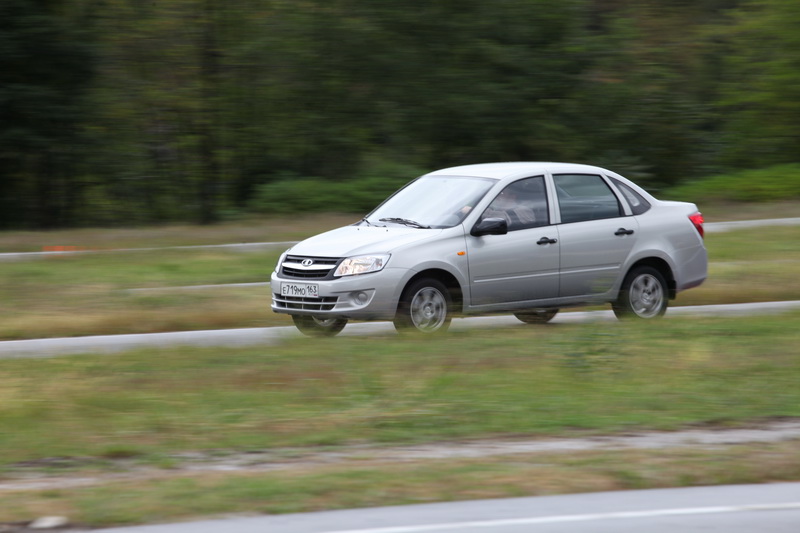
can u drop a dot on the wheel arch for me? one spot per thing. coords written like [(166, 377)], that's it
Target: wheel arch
[(448, 280), (663, 267)]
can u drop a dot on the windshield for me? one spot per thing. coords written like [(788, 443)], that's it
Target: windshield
[(432, 201)]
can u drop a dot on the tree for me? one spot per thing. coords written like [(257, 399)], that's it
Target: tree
[(47, 68), (761, 88)]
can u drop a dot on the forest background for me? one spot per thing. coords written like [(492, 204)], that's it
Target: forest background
[(129, 112)]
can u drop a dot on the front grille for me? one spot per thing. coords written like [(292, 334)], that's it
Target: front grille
[(320, 267), (326, 303)]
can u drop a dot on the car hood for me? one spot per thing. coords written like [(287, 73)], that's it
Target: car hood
[(356, 240)]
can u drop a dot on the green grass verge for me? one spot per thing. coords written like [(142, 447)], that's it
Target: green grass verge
[(197, 496), (765, 244), (256, 229), (567, 380), (88, 294), (602, 377), (162, 268), (553, 380), (740, 271)]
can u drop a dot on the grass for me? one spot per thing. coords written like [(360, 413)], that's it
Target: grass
[(163, 499), (79, 414), (163, 268), (77, 312), (89, 294), (766, 244), (307, 392), (556, 380), (731, 283), (740, 271), (724, 211), (262, 229)]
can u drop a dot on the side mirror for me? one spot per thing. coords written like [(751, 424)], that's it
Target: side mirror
[(490, 226)]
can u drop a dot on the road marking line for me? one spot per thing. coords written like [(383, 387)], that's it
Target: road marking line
[(577, 518)]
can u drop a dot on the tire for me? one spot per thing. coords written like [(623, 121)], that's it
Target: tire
[(536, 316), (644, 294), (425, 307), (319, 326)]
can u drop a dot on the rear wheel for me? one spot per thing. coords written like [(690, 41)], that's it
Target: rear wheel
[(425, 306), (644, 294), (319, 326), (536, 316)]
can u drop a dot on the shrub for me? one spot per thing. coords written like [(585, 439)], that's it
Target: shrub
[(359, 194), (781, 182)]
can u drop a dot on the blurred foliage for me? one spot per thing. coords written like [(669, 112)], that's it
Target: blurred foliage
[(293, 194), (46, 66), (760, 88), (124, 112), (779, 182)]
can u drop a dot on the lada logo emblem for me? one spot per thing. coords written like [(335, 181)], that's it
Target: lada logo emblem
[(307, 262)]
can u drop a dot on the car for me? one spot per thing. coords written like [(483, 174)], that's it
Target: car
[(527, 238)]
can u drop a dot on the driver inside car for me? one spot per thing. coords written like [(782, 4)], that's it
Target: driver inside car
[(509, 206)]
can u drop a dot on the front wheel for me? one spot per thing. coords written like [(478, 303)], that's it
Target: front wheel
[(319, 326), (644, 294), (536, 316), (425, 306)]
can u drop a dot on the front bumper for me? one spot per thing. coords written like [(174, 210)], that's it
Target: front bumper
[(372, 296)]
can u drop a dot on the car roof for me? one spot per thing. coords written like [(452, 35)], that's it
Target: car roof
[(529, 168)]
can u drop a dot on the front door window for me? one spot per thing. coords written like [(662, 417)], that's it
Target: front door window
[(523, 204)]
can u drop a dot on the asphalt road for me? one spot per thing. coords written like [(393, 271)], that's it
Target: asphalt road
[(773, 508), (108, 344)]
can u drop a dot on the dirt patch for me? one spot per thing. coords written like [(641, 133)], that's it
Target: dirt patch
[(81, 472)]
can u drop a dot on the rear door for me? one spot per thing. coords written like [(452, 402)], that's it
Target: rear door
[(594, 235)]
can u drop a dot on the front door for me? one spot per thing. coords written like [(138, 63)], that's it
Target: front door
[(523, 264)]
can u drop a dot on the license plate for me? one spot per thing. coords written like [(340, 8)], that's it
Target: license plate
[(300, 290)]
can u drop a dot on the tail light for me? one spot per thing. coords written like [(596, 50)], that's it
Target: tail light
[(697, 221)]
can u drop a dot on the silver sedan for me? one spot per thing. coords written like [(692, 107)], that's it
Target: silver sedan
[(525, 238)]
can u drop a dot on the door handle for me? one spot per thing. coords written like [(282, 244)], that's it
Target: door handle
[(623, 231), (545, 240)]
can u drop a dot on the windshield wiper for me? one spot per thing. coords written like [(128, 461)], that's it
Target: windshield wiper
[(405, 221)]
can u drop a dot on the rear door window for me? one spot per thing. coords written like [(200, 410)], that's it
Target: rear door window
[(584, 197)]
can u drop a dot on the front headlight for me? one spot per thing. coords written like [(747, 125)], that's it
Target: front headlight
[(361, 265)]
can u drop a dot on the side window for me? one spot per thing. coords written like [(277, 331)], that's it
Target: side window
[(523, 204), (638, 204), (585, 197)]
